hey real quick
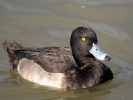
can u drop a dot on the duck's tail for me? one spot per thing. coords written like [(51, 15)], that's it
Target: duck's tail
[(10, 48)]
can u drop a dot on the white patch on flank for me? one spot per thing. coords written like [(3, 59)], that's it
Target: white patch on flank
[(31, 71), (97, 52)]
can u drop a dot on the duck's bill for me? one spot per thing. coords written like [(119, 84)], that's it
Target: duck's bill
[(98, 53)]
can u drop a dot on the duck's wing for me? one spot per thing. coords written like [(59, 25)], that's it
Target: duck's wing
[(51, 59)]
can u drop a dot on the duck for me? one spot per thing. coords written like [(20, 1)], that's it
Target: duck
[(73, 67)]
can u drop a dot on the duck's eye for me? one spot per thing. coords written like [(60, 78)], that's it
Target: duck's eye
[(83, 39)]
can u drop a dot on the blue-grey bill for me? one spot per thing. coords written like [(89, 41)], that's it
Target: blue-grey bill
[(98, 52)]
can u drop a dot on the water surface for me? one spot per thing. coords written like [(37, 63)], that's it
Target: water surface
[(39, 23)]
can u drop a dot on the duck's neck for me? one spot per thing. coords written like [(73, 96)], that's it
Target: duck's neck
[(84, 61)]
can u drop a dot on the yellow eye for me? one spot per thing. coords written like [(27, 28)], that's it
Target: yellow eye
[(83, 39)]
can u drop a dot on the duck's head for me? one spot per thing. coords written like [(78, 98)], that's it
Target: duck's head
[(84, 43)]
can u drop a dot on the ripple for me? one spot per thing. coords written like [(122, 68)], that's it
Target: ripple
[(23, 8)]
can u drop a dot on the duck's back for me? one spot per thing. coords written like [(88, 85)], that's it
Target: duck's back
[(51, 59)]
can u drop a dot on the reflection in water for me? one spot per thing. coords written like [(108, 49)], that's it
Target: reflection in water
[(47, 23)]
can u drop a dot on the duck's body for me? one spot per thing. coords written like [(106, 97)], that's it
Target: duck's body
[(57, 66)]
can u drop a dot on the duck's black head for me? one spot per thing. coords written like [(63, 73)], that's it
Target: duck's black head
[(84, 44)]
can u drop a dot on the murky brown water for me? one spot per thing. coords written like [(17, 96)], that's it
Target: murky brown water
[(38, 23)]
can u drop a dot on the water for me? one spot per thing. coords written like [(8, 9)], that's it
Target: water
[(38, 23)]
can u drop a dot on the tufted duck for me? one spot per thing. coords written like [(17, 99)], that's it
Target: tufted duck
[(62, 67)]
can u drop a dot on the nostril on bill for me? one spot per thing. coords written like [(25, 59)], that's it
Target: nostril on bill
[(107, 57)]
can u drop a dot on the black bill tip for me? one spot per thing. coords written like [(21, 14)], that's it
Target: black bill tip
[(107, 57)]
